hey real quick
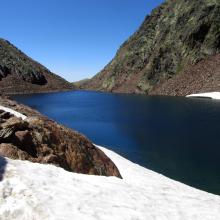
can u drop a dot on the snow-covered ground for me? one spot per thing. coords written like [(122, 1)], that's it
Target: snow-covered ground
[(212, 95), (31, 191), (13, 112)]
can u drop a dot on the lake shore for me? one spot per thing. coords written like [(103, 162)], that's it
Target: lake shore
[(161, 133), (47, 192), (140, 194)]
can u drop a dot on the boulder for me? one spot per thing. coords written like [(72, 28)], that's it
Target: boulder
[(11, 151), (39, 139)]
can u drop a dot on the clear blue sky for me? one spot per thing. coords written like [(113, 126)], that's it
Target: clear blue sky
[(73, 38)]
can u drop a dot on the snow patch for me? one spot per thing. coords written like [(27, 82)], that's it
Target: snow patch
[(212, 95), (31, 191), (13, 112)]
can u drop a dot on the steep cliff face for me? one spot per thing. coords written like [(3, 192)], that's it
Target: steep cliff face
[(20, 74), (176, 34)]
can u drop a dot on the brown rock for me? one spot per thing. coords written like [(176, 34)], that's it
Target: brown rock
[(10, 126), (41, 140), (15, 123), (11, 151), (23, 136), (24, 140)]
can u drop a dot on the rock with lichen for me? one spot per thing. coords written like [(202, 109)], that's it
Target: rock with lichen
[(177, 34)]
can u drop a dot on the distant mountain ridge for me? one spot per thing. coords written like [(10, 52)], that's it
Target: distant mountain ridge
[(177, 34), (79, 83), (21, 74)]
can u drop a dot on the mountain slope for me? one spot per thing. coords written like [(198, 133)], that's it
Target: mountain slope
[(176, 34), (79, 83), (20, 74), (199, 78)]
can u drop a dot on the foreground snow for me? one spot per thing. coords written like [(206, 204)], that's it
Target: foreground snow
[(212, 95), (13, 112), (31, 191)]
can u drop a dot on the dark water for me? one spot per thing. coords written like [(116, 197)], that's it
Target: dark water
[(177, 137)]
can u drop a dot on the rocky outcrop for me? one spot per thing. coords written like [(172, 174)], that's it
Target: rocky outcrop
[(39, 139), (177, 34), (21, 74)]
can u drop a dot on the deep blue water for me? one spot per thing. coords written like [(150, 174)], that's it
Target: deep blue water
[(175, 136)]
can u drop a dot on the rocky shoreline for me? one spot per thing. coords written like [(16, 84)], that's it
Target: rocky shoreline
[(39, 139)]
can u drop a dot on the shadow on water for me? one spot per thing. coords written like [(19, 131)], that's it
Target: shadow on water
[(3, 164)]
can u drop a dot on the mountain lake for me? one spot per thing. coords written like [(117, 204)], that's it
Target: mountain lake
[(175, 136)]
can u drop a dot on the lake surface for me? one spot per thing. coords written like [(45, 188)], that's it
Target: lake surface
[(178, 137)]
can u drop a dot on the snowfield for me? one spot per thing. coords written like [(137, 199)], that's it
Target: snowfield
[(31, 191), (212, 95), (13, 112)]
